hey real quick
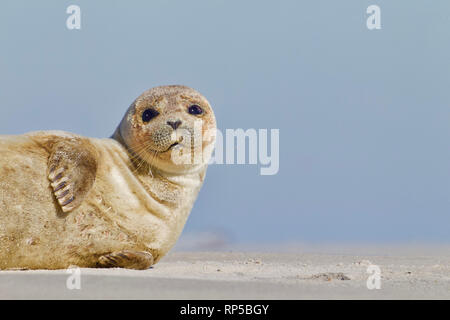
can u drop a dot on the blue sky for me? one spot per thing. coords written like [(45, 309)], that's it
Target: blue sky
[(363, 115)]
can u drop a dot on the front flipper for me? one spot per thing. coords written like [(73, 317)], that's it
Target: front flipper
[(126, 259), (72, 167)]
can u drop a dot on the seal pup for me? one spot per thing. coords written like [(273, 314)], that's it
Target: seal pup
[(115, 202)]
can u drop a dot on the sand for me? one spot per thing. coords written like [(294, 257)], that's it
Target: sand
[(243, 275)]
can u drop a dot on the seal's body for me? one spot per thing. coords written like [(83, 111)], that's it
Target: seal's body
[(69, 200)]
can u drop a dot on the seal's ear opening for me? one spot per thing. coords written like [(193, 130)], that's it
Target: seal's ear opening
[(124, 125)]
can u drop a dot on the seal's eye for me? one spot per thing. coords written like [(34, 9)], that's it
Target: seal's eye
[(149, 114), (195, 109)]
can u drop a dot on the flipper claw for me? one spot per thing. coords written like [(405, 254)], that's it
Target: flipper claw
[(72, 169)]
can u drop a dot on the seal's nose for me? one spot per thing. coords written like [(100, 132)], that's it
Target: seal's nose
[(174, 124)]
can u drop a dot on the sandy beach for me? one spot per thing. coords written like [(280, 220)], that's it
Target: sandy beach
[(405, 274)]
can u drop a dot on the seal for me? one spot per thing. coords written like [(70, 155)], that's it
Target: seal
[(114, 202)]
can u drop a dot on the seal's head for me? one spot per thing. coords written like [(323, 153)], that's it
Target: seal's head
[(171, 128)]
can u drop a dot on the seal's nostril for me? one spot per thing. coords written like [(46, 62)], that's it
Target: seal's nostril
[(174, 124)]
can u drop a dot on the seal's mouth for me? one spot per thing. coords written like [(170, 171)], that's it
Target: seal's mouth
[(176, 143), (171, 146)]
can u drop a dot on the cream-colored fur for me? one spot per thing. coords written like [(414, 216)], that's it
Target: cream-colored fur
[(133, 205)]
